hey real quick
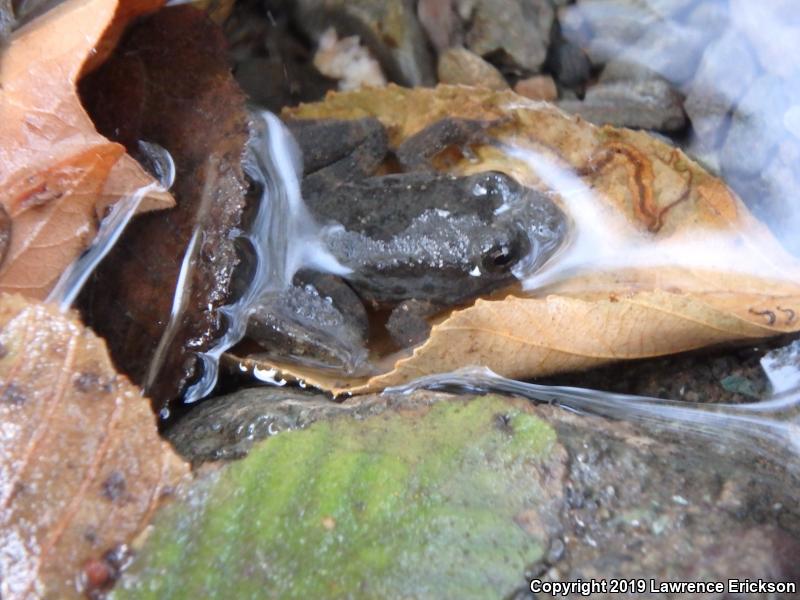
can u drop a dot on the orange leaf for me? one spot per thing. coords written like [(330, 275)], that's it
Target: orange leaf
[(82, 467), (57, 174)]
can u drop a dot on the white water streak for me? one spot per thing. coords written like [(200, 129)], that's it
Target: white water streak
[(284, 236), (770, 429)]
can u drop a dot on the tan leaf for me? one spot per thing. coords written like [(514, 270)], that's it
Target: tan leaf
[(81, 464), (57, 174), (664, 259)]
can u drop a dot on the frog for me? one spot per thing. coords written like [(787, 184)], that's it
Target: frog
[(414, 241), (418, 241)]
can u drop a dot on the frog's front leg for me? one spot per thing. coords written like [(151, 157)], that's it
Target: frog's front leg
[(418, 151)]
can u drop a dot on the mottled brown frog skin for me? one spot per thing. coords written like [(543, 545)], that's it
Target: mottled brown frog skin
[(418, 241)]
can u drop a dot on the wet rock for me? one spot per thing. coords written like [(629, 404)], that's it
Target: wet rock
[(389, 29), (6, 19), (273, 84), (671, 511), (621, 502), (782, 367), (226, 427), (616, 71), (711, 16), (648, 104), (736, 384), (635, 31), (670, 49), (270, 63), (603, 28), (760, 154), (538, 87), (569, 64), (440, 22), (757, 126), (515, 33), (670, 9), (692, 377), (773, 31), (461, 66), (772, 193), (717, 87)]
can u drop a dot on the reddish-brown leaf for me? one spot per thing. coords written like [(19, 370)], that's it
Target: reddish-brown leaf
[(170, 83), (57, 174), (81, 464)]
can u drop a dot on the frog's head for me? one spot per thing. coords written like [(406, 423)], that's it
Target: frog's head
[(525, 226)]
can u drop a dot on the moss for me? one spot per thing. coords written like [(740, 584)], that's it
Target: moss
[(409, 505)]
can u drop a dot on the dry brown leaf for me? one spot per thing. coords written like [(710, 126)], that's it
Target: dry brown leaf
[(648, 199), (81, 464), (57, 174)]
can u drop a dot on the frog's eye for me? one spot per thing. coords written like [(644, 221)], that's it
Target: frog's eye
[(501, 257)]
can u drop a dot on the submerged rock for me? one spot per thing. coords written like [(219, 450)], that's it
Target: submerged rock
[(569, 63), (589, 498), (646, 104), (717, 88), (440, 21), (757, 126), (460, 66), (538, 87), (389, 29), (515, 33)]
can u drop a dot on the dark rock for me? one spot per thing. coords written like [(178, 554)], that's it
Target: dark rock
[(649, 104), (226, 427), (275, 84), (569, 64), (389, 29), (634, 508), (717, 87), (515, 33), (693, 377), (272, 66), (6, 19), (461, 66)]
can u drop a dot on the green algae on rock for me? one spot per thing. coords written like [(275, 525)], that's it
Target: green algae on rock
[(434, 502)]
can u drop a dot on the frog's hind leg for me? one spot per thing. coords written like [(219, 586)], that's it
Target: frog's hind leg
[(418, 151), (336, 150), (408, 323)]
